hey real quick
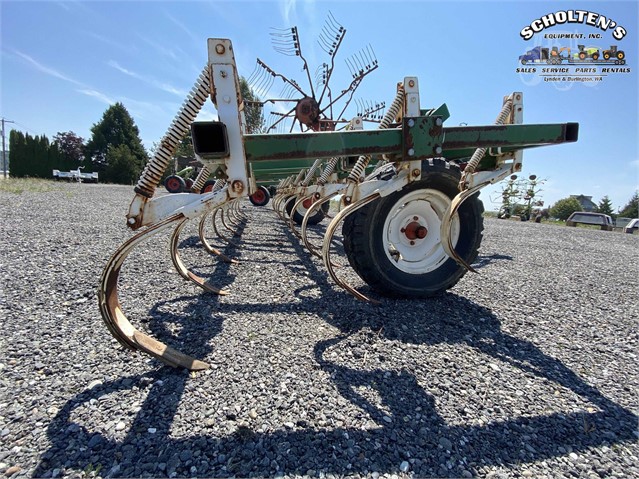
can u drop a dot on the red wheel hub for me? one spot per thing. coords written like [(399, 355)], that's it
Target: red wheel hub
[(174, 184), (258, 196), (307, 203), (414, 231)]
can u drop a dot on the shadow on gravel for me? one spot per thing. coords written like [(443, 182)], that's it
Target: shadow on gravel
[(485, 260), (434, 447)]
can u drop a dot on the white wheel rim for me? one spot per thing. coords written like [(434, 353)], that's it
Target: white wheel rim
[(418, 256)]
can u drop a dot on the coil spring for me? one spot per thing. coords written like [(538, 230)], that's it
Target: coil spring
[(393, 112), (480, 152), (299, 177), (311, 172), (155, 168), (201, 178), (328, 170), (218, 184)]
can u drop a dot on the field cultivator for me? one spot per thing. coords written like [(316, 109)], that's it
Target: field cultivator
[(408, 190)]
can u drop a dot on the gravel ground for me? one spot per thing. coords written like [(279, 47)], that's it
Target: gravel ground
[(526, 369)]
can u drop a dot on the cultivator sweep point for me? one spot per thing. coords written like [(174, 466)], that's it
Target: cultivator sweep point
[(408, 190)]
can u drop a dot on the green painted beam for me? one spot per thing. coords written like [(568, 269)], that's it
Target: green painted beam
[(459, 142)]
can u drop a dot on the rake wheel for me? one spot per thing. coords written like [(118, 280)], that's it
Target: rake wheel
[(261, 196), (175, 184), (394, 243), (298, 214)]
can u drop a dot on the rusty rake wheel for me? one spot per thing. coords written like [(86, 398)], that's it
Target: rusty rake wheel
[(394, 244)]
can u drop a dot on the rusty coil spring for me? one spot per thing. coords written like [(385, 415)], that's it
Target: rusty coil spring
[(201, 178), (155, 168), (393, 112), (480, 152)]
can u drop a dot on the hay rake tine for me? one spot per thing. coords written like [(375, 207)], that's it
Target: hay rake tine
[(207, 245), (181, 267), (114, 317), (328, 239)]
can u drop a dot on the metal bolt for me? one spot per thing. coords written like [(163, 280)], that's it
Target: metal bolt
[(518, 97), (415, 218), (227, 99), (411, 83), (438, 150), (223, 73), (416, 172), (131, 221), (403, 230), (413, 99), (438, 122), (411, 123), (411, 152), (412, 243), (219, 49)]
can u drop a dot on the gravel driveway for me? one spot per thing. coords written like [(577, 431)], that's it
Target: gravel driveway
[(526, 369)]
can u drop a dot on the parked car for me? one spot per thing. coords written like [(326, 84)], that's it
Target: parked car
[(587, 218), (632, 226)]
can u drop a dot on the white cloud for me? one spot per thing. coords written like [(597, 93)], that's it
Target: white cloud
[(47, 70), (99, 95), (151, 81)]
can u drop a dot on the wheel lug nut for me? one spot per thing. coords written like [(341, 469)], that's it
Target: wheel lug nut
[(412, 243), (415, 218)]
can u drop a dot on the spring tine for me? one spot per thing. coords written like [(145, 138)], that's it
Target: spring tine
[(317, 204), (223, 213), (447, 223), (328, 238), (117, 321), (207, 245), (291, 220), (182, 269), (217, 231)]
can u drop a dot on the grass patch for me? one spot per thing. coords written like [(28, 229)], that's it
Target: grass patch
[(30, 185)]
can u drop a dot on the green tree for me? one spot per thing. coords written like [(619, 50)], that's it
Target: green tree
[(17, 151), (564, 208), (252, 111), (631, 210), (605, 206), (122, 166), (116, 128)]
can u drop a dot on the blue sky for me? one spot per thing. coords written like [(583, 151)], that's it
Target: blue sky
[(64, 62)]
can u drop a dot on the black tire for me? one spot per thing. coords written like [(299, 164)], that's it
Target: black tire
[(621, 55), (524, 61), (364, 235), (595, 56), (261, 196), (207, 187), (318, 216), (606, 56), (175, 184)]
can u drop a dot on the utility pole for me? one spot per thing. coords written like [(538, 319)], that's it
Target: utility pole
[(4, 151)]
